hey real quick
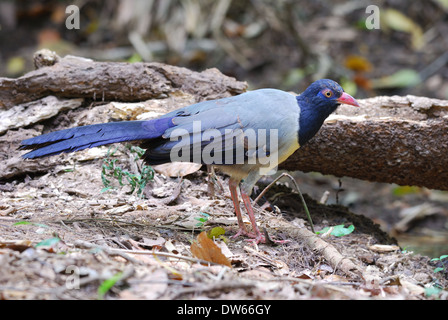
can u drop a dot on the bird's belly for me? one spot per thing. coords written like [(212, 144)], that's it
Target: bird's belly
[(287, 151), (237, 171), (241, 171)]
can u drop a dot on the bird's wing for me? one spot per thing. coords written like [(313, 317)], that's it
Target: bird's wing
[(223, 128)]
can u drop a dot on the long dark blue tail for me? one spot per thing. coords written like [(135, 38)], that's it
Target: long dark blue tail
[(79, 138)]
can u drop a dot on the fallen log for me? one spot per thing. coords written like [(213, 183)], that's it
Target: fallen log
[(76, 77), (29, 113)]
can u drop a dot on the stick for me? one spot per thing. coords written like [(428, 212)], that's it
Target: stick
[(284, 174), (88, 245)]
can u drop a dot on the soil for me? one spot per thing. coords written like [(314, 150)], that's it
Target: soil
[(62, 238)]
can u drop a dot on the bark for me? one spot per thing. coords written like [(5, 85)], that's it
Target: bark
[(75, 77), (32, 112)]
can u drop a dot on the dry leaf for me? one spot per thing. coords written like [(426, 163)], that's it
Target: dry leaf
[(171, 247), (16, 245), (154, 243), (334, 278), (224, 249), (384, 248), (206, 249), (412, 288), (177, 169)]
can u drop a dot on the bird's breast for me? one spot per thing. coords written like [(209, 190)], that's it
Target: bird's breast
[(288, 150)]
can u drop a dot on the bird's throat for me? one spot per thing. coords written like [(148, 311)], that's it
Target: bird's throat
[(311, 118)]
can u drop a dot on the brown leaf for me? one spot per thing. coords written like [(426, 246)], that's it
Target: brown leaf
[(154, 243), (177, 169), (16, 245), (206, 249)]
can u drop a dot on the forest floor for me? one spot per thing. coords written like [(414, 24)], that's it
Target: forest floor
[(64, 239)]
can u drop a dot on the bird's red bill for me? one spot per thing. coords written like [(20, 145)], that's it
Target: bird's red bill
[(345, 98)]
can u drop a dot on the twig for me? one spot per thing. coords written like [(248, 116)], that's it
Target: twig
[(328, 251), (117, 221), (218, 286), (284, 174), (109, 251), (263, 257), (176, 193), (85, 244)]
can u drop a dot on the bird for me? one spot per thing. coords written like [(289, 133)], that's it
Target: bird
[(244, 136)]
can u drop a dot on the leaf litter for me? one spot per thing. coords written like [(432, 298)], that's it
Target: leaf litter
[(64, 239)]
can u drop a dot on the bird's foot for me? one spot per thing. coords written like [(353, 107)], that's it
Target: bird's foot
[(243, 232), (257, 239)]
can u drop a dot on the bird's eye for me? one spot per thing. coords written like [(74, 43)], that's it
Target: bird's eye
[(328, 93)]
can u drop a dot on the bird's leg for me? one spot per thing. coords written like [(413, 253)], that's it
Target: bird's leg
[(233, 186), (250, 211), (259, 237)]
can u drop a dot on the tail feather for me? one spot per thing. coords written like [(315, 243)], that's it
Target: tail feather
[(79, 138)]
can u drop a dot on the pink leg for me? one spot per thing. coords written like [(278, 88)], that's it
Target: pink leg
[(233, 185), (259, 236)]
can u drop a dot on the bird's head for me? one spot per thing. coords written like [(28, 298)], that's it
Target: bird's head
[(316, 103), (327, 94)]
